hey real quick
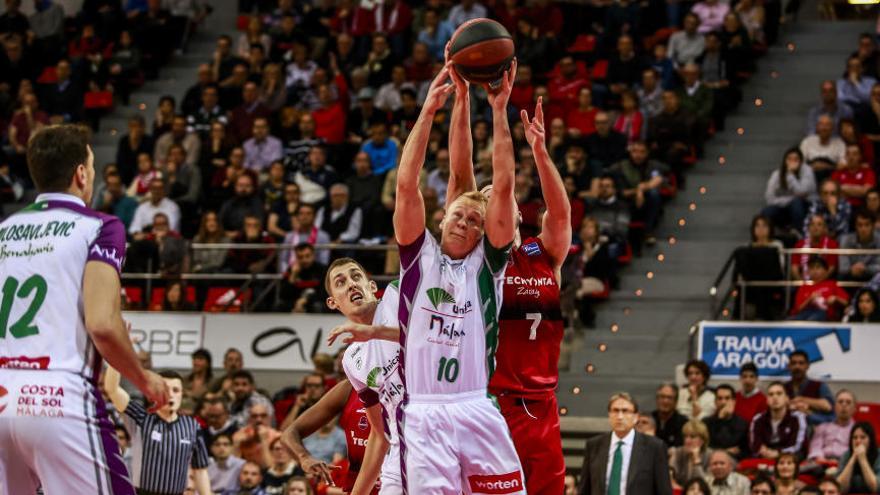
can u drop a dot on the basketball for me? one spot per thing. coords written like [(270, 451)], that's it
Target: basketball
[(481, 50)]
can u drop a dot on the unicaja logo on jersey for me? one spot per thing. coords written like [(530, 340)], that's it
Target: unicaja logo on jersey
[(371, 377), (438, 296)]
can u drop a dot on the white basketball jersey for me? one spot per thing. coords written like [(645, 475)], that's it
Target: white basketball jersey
[(43, 253), (449, 316), (372, 367)]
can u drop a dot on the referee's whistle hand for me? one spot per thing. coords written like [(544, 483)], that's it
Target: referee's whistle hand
[(156, 391)]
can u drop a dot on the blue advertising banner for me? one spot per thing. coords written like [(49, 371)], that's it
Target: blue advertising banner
[(837, 351)]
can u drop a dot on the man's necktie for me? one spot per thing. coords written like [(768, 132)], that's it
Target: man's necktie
[(616, 468)]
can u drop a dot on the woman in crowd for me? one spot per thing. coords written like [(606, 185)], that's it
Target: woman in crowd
[(164, 115), (691, 460), (200, 376), (273, 92), (175, 298), (582, 118), (592, 269), (630, 122), (282, 470), (139, 188), (299, 485), (860, 466), (866, 309), (696, 486), (696, 400), (789, 191), (847, 131), (786, 474), (254, 35), (762, 234), (210, 232)]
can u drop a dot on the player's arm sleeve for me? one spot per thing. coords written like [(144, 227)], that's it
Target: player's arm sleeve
[(409, 253), (386, 313), (496, 258), (367, 395), (200, 458), (136, 412), (109, 245)]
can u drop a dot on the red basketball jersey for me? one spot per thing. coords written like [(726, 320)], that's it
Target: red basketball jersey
[(531, 326), (356, 426)]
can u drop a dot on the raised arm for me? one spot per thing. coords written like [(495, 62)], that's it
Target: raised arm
[(330, 406), (556, 224), (118, 396), (500, 217), (409, 206), (461, 145)]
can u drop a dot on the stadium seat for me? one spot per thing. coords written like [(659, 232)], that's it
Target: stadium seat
[(226, 299), (870, 412), (158, 296), (134, 296)]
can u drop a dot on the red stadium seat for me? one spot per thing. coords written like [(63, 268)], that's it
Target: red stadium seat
[(219, 298), (584, 43), (599, 70), (133, 296), (158, 296), (870, 412)]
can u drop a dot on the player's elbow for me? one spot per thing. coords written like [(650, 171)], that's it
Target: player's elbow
[(101, 327)]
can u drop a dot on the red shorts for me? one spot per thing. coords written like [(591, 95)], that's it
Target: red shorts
[(534, 426)]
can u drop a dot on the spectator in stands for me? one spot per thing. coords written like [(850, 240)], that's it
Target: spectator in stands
[(136, 142), (605, 146), (341, 220), (722, 477), (727, 431), (183, 183), (810, 397), (691, 460), (224, 467), (192, 99), (630, 122), (570, 484), (200, 119), (833, 208), (641, 179), (26, 121), (603, 459), (646, 425), (245, 203), (624, 67), (304, 231), (612, 214), (163, 116), (303, 290), (711, 14), (696, 400), (161, 247), (650, 94), (282, 469), (157, 203), (175, 300), (593, 269), (210, 232), (822, 300), (867, 308), (383, 151), (669, 421), (196, 383), (762, 235), (855, 176), (566, 87), (696, 99), (251, 260), (664, 66), (861, 463), (779, 429), (64, 98), (465, 11), (115, 201), (319, 172), (817, 237), (438, 178), (830, 440), (786, 473), (249, 480), (217, 420), (854, 88), (715, 76), (262, 149), (282, 212), (829, 105), (364, 186), (232, 362), (688, 44), (272, 188), (241, 121), (669, 134), (435, 32), (180, 136), (823, 150), (860, 267), (789, 191), (750, 399), (246, 396), (327, 444), (696, 486)]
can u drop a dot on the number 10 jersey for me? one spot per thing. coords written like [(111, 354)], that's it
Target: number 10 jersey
[(449, 317)]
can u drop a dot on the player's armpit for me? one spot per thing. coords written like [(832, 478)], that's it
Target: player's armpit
[(327, 408)]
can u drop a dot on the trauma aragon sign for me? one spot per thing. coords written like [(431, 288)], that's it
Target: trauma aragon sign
[(836, 351)]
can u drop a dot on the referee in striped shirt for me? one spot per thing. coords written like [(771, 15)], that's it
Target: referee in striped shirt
[(169, 443)]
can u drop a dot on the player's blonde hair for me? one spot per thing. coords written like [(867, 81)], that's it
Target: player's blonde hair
[(475, 197)]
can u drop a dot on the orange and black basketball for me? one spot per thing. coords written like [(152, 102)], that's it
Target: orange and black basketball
[(481, 50)]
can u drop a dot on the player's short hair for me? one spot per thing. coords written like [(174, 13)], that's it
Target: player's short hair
[(243, 374), (727, 387), (336, 264), (171, 375), (53, 154), (800, 352), (623, 396), (221, 435), (474, 196), (748, 368), (776, 384)]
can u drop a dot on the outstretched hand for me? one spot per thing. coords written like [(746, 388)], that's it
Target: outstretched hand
[(438, 92), (534, 128), (351, 332), (498, 97), (461, 85)]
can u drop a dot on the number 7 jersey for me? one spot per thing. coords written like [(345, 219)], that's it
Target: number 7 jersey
[(43, 253), (449, 317)]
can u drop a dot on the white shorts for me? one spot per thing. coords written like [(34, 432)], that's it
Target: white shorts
[(390, 477), (457, 443), (54, 432)]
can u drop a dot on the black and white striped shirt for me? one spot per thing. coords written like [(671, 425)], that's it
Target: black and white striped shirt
[(168, 449)]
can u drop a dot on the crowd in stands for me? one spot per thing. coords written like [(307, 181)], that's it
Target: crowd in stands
[(292, 130), (824, 195)]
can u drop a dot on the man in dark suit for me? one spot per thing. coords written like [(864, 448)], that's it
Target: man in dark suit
[(624, 462)]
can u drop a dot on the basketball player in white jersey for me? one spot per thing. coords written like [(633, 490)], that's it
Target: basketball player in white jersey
[(453, 438), (59, 316)]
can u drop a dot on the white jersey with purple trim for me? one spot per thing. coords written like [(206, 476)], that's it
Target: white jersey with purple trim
[(372, 369), (43, 254), (449, 316)]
